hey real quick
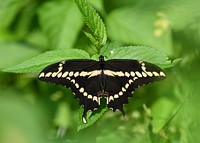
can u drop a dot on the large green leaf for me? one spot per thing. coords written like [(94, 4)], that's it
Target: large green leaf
[(61, 22), (141, 53), (37, 63)]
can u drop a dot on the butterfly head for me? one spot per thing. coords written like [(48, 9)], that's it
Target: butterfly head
[(101, 59)]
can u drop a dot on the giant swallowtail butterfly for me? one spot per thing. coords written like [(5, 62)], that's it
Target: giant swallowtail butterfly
[(90, 80)]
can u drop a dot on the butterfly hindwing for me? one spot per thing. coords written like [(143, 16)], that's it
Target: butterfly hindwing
[(122, 77), (117, 93), (82, 76)]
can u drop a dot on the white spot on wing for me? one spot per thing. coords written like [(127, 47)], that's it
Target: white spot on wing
[(162, 73), (127, 74), (85, 94), (127, 85), (107, 100), (95, 99), (138, 74), (84, 120), (132, 74), (155, 73), (130, 81), (89, 96), (41, 75), (109, 73), (76, 74), (94, 73), (48, 74), (135, 78), (111, 98), (59, 75), (117, 73), (54, 74), (83, 73), (68, 78), (149, 74), (144, 68), (144, 74), (120, 93), (63, 62), (81, 90), (77, 86), (120, 73), (123, 89), (71, 73), (65, 74), (143, 64), (73, 81), (99, 100), (116, 96)]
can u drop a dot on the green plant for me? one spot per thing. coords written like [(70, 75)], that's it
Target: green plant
[(166, 26), (98, 37)]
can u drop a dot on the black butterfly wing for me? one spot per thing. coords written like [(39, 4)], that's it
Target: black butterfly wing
[(82, 76), (122, 77)]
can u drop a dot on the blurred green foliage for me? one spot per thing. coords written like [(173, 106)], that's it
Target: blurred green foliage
[(164, 112)]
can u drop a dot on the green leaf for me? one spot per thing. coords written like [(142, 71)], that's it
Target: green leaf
[(91, 119), (13, 53), (138, 26), (141, 53), (92, 39), (160, 118), (16, 120), (9, 10), (61, 21), (39, 62), (62, 117), (94, 22), (185, 13)]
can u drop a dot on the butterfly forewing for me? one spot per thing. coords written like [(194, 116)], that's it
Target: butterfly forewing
[(82, 76)]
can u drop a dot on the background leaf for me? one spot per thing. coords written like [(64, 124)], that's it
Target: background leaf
[(39, 62), (94, 22), (135, 25), (61, 21), (23, 52), (31, 27), (9, 10)]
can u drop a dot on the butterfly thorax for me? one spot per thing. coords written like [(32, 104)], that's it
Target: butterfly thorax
[(102, 76), (101, 62)]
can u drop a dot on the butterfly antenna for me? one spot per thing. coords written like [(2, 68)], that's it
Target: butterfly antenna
[(94, 50), (106, 47)]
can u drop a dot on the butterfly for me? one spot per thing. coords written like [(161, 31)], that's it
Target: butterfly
[(90, 80)]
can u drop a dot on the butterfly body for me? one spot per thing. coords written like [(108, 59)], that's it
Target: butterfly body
[(90, 80)]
